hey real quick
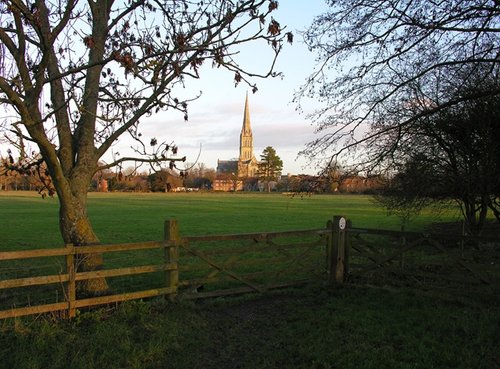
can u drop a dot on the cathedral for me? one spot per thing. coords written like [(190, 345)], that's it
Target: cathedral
[(243, 169)]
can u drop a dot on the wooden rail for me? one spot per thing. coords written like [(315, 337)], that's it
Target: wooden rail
[(281, 259), (448, 246), (72, 276)]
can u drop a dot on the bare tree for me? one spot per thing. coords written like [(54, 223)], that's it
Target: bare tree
[(80, 74), (381, 63), (452, 154)]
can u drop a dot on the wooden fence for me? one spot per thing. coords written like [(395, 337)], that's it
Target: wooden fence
[(71, 277), (450, 263), (206, 266)]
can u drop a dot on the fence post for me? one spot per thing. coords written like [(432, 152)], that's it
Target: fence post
[(337, 250), (71, 289), (171, 252)]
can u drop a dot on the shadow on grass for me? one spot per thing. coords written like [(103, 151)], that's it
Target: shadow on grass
[(307, 328)]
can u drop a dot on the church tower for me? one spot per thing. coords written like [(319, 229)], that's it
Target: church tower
[(246, 137), (246, 167)]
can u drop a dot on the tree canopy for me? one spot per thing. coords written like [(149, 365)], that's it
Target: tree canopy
[(452, 154), (392, 62), (269, 167), (409, 89)]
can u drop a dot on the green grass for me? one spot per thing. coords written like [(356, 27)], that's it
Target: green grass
[(133, 217), (314, 327), (345, 328), (130, 217)]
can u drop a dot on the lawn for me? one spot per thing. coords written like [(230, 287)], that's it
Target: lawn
[(312, 327), (315, 327), (31, 222)]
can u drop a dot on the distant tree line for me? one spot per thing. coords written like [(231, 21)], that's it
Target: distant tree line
[(165, 180), (200, 178)]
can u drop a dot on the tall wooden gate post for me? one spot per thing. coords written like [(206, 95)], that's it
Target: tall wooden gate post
[(337, 250), (171, 253)]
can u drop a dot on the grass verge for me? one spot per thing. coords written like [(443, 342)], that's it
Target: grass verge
[(307, 328)]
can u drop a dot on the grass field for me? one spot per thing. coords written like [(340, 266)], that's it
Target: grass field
[(32, 222), (313, 327), (316, 328)]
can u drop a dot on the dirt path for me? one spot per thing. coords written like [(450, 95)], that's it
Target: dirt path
[(247, 333)]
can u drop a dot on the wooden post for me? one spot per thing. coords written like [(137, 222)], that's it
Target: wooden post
[(341, 224), (337, 251), (171, 253), (71, 289)]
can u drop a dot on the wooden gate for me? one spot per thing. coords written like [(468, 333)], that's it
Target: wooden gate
[(232, 264), (443, 262)]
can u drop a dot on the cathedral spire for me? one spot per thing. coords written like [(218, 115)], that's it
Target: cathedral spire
[(246, 118), (246, 137)]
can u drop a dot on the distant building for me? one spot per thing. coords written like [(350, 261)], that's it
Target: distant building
[(227, 167), (222, 183), (233, 174)]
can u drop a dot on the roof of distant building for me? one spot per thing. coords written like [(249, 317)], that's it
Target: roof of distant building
[(227, 166)]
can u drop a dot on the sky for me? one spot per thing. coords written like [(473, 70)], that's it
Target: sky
[(216, 118)]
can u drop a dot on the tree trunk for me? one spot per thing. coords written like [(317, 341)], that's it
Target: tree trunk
[(475, 211), (494, 205), (76, 229)]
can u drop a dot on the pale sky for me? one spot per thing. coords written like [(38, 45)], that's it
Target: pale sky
[(216, 118)]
